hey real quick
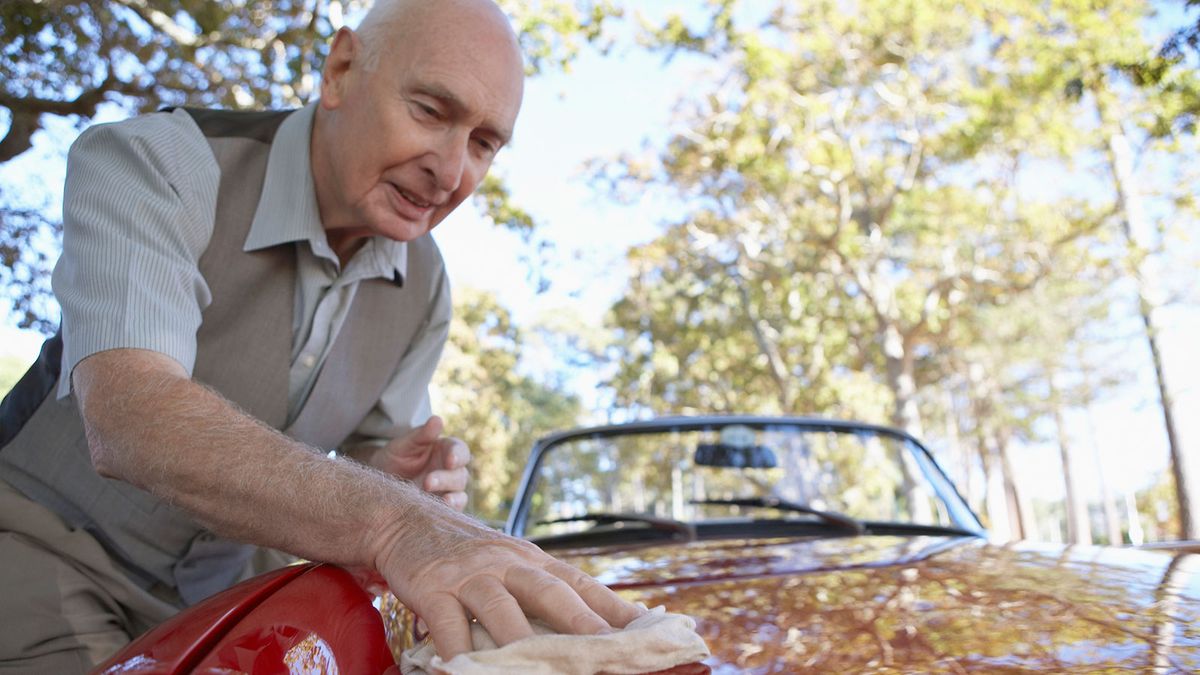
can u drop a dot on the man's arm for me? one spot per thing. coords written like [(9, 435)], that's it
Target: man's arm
[(149, 424)]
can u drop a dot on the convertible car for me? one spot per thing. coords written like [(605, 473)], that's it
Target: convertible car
[(799, 545)]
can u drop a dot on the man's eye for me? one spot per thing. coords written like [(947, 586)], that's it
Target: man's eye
[(427, 110), (485, 145)]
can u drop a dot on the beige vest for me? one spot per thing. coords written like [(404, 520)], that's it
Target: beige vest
[(243, 348)]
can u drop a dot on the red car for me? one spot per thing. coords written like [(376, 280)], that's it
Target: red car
[(799, 545)]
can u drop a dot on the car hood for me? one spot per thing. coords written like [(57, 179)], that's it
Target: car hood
[(919, 604)]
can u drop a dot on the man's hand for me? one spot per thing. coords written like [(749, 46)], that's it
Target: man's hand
[(451, 568), (435, 463)]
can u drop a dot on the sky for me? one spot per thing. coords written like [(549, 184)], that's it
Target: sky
[(620, 102)]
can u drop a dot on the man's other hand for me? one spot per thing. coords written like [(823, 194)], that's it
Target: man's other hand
[(435, 463)]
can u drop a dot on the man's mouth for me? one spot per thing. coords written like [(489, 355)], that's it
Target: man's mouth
[(412, 199)]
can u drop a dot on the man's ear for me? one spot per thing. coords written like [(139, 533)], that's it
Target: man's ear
[(343, 58)]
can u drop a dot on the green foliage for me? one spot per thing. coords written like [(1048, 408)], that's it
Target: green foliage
[(839, 142), (552, 32), (487, 403), (861, 227), (24, 267), (1159, 508), (11, 370), (494, 199)]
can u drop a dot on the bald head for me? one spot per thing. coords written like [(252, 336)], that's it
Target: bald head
[(414, 106), (392, 22)]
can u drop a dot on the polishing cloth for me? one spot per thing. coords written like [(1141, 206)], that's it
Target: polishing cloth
[(655, 641)]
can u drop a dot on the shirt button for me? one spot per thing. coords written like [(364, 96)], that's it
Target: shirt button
[(308, 360)]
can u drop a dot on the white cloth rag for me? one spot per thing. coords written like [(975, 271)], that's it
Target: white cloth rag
[(655, 641)]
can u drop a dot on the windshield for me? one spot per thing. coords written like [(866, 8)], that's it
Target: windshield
[(666, 472)]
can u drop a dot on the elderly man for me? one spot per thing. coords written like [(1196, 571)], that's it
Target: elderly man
[(241, 294)]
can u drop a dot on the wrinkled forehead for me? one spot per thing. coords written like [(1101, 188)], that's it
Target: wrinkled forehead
[(477, 67)]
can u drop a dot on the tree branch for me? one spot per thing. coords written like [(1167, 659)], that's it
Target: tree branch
[(183, 37), (19, 137)]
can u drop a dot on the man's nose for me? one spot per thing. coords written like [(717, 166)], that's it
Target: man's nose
[(447, 163)]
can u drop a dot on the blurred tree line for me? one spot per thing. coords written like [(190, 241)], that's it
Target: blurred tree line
[(928, 212)]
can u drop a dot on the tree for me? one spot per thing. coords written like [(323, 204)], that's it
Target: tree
[(11, 370), (850, 199), (1020, 357), (858, 203), (861, 146), (70, 57), (1107, 72), (495, 409)]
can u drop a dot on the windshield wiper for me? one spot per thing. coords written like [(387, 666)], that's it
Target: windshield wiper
[(836, 519), (602, 518)]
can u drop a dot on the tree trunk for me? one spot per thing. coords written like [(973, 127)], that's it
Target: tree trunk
[(1020, 514), (995, 502), (1137, 536), (1112, 522), (1005, 502), (901, 381), (1189, 509), (958, 449), (1079, 526), (1136, 230), (905, 415)]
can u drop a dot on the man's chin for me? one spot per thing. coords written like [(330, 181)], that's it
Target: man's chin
[(402, 229)]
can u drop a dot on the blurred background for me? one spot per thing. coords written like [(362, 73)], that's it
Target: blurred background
[(972, 220)]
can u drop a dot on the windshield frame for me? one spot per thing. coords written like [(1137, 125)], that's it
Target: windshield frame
[(945, 488)]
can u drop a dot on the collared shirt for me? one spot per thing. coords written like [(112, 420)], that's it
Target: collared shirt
[(138, 212)]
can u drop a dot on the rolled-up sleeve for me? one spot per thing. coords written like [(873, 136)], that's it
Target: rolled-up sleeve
[(138, 210), (404, 403)]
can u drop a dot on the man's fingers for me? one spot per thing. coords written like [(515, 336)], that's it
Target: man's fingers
[(456, 500), (550, 599), (445, 481), (496, 609), (428, 432), (454, 453), (602, 599), (448, 625)]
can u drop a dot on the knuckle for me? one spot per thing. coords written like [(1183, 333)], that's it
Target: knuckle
[(526, 547), (437, 610), (437, 622), (486, 595), (583, 622), (495, 604), (546, 583), (569, 574), (477, 585)]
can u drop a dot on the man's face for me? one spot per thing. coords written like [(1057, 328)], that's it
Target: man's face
[(408, 140)]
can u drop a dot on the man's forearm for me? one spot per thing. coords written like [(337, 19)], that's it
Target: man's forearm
[(150, 425)]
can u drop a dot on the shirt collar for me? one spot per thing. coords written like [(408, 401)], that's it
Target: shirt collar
[(287, 209)]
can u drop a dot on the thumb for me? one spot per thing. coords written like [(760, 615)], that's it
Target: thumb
[(428, 432)]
